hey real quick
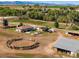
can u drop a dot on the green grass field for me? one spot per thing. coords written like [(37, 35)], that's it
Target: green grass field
[(57, 6), (41, 23)]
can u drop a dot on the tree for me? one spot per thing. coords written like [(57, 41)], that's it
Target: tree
[(24, 7), (56, 24), (20, 24), (5, 22)]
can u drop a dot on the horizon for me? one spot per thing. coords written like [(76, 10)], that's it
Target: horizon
[(44, 2)]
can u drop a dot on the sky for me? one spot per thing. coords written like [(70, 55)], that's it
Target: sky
[(39, 0), (76, 2)]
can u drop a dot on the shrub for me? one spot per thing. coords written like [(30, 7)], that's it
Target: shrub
[(56, 24), (74, 27)]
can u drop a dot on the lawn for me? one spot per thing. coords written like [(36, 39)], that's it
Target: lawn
[(57, 6), (41, 23)]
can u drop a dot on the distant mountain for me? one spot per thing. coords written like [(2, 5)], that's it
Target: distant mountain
[(66, 3)]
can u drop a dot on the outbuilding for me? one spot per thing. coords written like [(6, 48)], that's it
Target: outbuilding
[(70, 46), (24, 28)]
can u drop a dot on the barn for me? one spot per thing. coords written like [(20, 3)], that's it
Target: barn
[(67, 45), (25, 28), (74, 33)]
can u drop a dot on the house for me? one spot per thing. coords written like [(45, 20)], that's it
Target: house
[(45, 29), (25, 28), (67, 45)]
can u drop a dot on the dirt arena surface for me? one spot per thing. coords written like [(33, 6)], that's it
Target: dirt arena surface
[(44, 40), (22, 43)]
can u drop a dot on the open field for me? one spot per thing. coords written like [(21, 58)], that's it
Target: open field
[(38, 22), (57, 6), (12, 6)]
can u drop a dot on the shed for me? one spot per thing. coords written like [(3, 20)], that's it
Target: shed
[(24, 28), (67, 45)]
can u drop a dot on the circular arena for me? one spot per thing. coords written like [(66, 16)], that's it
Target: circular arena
[(22, 44)]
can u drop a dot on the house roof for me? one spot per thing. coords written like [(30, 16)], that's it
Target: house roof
[(67, 44), (24, 27)]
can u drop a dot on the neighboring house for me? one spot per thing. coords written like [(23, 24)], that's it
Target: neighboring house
[(24, 28), (67, 45)]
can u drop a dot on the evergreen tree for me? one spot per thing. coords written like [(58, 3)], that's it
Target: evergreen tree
[(5, 22)]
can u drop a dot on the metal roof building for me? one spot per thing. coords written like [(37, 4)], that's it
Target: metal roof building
[(67, 44)]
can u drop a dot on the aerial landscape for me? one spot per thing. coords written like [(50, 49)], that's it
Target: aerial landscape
[(39, 29)]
